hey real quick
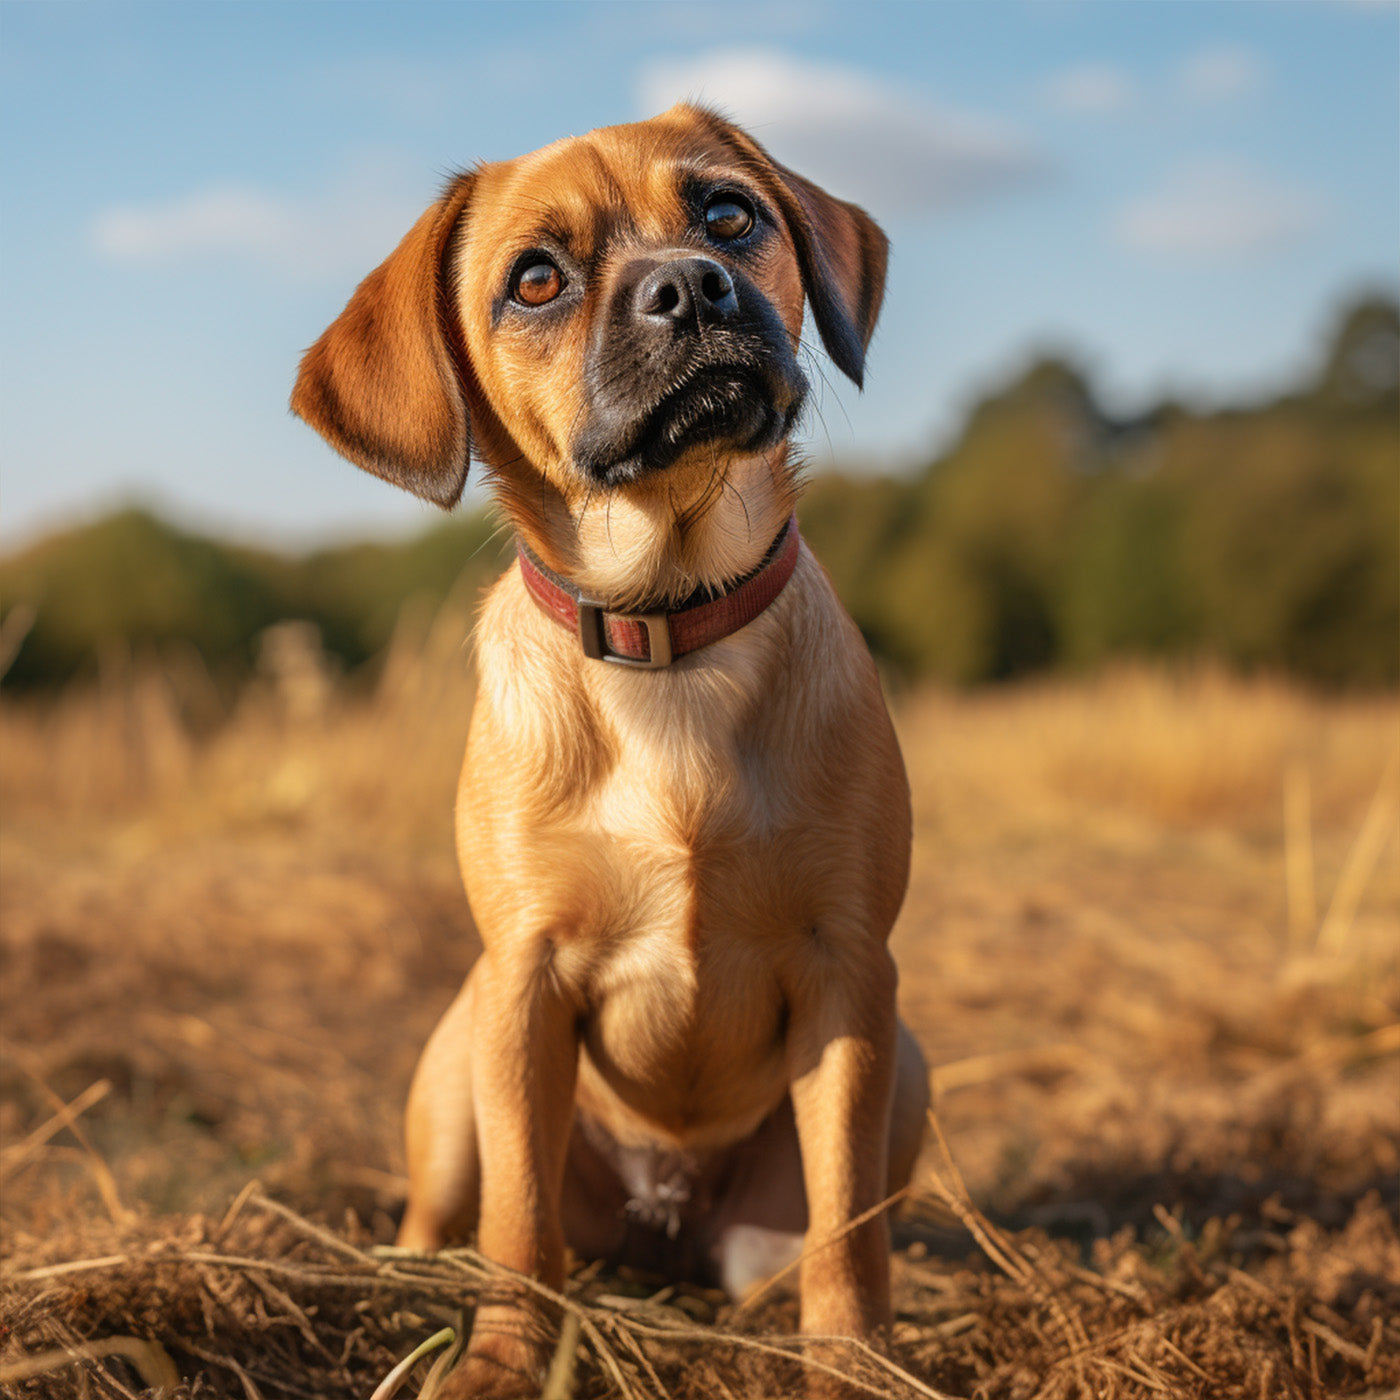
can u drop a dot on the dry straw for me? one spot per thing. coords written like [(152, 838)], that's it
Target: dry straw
[(226, 920)]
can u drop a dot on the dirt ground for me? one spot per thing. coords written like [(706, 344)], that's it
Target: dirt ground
[(1150, 948)]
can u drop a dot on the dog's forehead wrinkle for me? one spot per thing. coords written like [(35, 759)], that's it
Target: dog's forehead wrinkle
[(610, 190), (597, 189), (624, 187)]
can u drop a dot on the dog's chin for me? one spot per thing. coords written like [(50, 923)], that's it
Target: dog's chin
[(728, 411)]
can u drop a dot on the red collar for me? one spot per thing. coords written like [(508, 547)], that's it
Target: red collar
[(652, 640)]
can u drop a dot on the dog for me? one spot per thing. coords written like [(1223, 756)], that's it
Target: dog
[(683, 820)]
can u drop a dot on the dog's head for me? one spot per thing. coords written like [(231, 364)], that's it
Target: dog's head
[(612, 321)]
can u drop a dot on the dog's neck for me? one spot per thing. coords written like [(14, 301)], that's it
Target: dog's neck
[(658, 542)]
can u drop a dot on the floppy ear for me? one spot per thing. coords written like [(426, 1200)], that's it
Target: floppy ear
[(841, 251), (383, 385)]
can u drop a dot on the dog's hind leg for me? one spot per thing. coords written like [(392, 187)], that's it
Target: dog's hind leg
[(759, 1228), (444, 1161), (909, 1111)]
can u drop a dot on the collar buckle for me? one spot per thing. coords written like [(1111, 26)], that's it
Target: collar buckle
[(593, 636)]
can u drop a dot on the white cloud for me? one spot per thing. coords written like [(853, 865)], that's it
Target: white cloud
[(220, 218), (1213, 209), (1221, 73), (1092, 89), (860, 136), (345, 227)]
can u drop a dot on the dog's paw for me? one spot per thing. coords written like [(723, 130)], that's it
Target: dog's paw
[(481, 1377), (831, 1363), (506, 1358), (819, 1385)]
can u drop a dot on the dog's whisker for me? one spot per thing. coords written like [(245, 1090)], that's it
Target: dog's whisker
[(815, 361), (583, 509), (724, 482), (816, 402), (607, 524), (699, 506), (494, 535)]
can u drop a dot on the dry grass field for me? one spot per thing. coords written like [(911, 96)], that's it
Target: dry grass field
[(1150, 947)]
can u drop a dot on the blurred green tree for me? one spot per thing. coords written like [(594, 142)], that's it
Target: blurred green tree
[(1048, 534)]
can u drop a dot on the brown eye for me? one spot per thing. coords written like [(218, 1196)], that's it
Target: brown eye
[(727, 216), (538, 283)]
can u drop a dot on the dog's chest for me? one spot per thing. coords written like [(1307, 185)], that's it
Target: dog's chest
[(663, 824), (681, 983), (685, 1025)]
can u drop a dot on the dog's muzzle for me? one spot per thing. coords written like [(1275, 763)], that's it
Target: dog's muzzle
[(686, 353)]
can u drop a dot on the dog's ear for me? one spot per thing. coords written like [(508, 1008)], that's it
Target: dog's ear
[(384, 385), (841, 250)]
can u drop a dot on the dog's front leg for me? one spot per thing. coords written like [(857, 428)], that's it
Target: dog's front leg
[(525, 1059), (841, 1043)]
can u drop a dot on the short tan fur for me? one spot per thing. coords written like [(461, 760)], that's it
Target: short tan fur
[(684, 879)]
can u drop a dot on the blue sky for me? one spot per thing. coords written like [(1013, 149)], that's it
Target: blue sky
[(1178, 193)]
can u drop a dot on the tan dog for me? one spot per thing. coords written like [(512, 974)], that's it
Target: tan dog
[(679, 1047)]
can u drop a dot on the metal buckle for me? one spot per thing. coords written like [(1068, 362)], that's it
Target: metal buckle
[(593, 637)]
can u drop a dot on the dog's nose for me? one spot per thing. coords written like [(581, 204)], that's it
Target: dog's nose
[(693, 290)]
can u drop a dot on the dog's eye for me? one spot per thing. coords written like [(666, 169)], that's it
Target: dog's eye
[(538, 283), (727, 216)]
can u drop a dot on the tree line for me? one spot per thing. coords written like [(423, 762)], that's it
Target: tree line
[(1048, 535)]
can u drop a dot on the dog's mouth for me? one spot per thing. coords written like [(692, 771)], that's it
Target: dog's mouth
[(740, 407), (728, 404)]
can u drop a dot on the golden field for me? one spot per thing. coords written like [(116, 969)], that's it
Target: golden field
[(1150, 948)]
